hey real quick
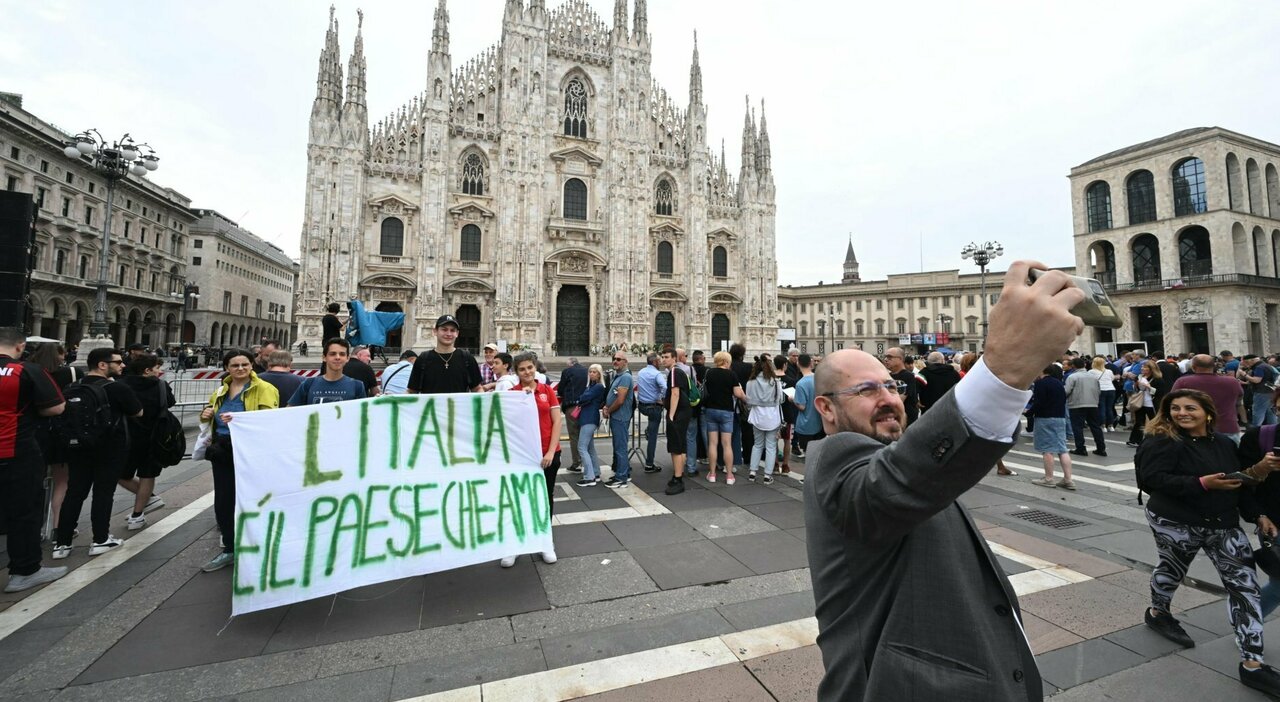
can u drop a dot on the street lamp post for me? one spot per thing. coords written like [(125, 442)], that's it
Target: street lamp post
[(190, 291), (982, 256), (113, 161)]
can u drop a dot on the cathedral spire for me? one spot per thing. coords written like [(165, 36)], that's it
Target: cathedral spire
[(640, 25), (851, 265), (619, 20), (748, 141), (695, 75), (440, 33), (356, 67), (329, 76), (763, 156)]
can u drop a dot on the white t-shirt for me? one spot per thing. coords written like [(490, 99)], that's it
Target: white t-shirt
[(506, 382), (1106, 380)]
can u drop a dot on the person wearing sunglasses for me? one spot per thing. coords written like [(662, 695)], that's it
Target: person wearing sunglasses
[(887, 541)]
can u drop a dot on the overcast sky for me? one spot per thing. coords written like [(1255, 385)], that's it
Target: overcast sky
[(914, 127)]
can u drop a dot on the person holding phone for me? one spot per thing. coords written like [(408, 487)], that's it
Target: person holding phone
[(1185, 466), (1260, 453)]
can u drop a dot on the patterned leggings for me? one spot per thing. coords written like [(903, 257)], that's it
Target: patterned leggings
[(1231, 553)]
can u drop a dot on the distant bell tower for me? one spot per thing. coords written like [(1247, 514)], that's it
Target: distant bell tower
[(851, 266)]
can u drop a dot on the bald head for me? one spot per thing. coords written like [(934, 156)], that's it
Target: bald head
[(1202, 363), (879, 415)]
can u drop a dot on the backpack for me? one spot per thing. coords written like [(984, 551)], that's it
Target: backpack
[(695, 390), (87, 420), (168, 439)]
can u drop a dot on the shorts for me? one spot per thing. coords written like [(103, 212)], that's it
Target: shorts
[(678, 435), (1051, 435), (718, 420), (784, 432), (140, 464)]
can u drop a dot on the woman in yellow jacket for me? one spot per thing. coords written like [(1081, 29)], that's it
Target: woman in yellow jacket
[(241, 391)]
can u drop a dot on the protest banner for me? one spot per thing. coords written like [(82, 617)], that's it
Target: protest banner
[(330, 497)]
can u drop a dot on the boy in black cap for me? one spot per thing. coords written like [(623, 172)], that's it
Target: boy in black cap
[(445, 368)]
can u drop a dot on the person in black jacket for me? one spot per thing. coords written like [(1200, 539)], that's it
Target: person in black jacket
[(142, 376), (1260, 452), (1183, 464)]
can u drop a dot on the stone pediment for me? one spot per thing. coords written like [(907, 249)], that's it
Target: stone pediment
[(392, 205), (469, 285), (386, 280), (472, 211), (665, 230), (721, 235), (726, 298), (576, 152), (565, 255), (668, 295)]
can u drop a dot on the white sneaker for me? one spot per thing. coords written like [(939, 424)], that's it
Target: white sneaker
[(60, 552), (135, 523), (18, 583), (97, 549), (549, 556), (156, 502), (507, 562)]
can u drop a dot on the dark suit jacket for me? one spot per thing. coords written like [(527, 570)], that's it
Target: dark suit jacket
[(911, 604)]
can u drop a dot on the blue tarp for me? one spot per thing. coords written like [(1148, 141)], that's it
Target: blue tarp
[(370, 328)]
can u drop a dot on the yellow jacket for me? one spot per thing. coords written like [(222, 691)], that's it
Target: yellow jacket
[(257, 395)]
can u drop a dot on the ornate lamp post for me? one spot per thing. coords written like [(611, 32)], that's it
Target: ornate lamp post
[(190, 291), (113, 161), (982, 256)]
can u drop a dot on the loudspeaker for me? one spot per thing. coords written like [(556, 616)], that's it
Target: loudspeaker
[(17, 241)]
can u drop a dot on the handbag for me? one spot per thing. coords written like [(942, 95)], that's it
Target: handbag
[(1136, 401), (201, 447), (575, 411), (1267, 556)]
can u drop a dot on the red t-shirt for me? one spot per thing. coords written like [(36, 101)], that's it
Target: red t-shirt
[(546, 398)]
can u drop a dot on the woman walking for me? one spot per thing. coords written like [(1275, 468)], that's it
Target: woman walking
[(588, 410), (549, 425), (142, 376), (764, 397), (1148, 383), (241, 391), (52, 357), (1183, 464), (788, 413), (1049, 409), (718, 392), (1107, 398)]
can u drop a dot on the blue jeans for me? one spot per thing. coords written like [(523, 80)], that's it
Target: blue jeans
[(1107, 406), (766, 442), (654, 413), (1263, 411), (621, 428), (587, 451), (691, 442)]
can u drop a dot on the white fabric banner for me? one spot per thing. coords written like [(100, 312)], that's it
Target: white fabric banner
[(335, 496)]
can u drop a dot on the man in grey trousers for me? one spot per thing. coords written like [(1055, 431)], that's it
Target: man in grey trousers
[(1083, 394), (911, 604)]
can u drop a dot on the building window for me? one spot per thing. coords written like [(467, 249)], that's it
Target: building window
[(226, 301), (84, 267), (1195, 256), (664, 199), (92, 187), (40, 193), (71, 178), (857, 327), (969, 300), (257, 309), (244, 305), (199, 244), (720, 262), (470, 243), (1188, 188), (971, 325), (879, 327), (575, 109), (820, 307), (120, 276), (665, 254), (924, 302), (902, 326), (858, 306), (1098, 205), (879, 305), (14, 153), (1141, 191), (11, 183), (1146, 259), (126, 229), (575, 199), (88, 215), (44, 166), (392, 243), (804, 307), (59, 261), (473, 175), (804, 328), (195, 261), (902, 304), (137, 280), (839, 327)]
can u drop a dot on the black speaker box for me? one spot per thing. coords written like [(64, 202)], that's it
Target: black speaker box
[(12, 313)]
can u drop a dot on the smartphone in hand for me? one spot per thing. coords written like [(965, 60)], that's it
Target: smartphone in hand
[(1243, 477), (1096, 310)]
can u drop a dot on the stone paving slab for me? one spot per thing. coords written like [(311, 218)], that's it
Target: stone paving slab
[(719, 522), (481, 591), (1144, 641), (745, 493), (1072, 558), (373, 610), (790, 676), (691, 499), (767, 552), (645, 532), (584, 539), (621, 639), (466, 668), (690, 563), (1044, 636), (1186, 598), (727, 683), (784, 515), (1139, 546), (1089, 609), (601, 576), (1154, 681), (1088, 660), (364, 686), (753, 614)]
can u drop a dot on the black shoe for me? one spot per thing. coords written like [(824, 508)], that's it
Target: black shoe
[(611, 481), (575, 468), (588, 483), (675, 487), (1100, 452), (1165, 625), (1264, 679), (1131, 444), (1079, 452), (652, 469)]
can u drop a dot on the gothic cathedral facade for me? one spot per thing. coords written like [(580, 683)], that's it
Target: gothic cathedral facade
[(548, 193)]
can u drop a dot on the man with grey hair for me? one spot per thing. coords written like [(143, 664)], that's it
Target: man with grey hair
[(911, 603), (939, 377), (651, 385), (1228, 396), (358, 367), (573, 381)]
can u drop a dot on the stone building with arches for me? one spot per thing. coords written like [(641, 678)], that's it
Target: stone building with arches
[(149, 230), (1184, 233), (547, 192)]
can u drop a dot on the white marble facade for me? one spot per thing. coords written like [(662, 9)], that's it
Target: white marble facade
[(548, 192)]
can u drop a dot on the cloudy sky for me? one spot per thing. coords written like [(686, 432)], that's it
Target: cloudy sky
[(912, 127)]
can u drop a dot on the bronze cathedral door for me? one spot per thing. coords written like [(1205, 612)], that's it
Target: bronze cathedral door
[(573, 321)]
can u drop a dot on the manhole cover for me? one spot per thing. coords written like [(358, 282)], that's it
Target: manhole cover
[(1043, 518)]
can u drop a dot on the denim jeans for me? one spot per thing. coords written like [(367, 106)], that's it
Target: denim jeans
[(621, 430), (654, 414), (1107, 406), (587, 451), (1263, 411), (571, 428), (1080, 416), (691, 441), (766, 442)]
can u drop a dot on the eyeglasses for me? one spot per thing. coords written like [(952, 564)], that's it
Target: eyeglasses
[(619, 359), (116, 360), (871, 389)]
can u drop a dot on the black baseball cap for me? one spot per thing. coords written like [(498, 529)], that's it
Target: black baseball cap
[(408, 354), (137, 347), (447, 319)]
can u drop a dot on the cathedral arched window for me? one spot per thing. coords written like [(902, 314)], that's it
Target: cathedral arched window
[(575, 109), (664, 198), (392, 242), (665, 256), (470, 249), (473, 175), (575, 199), (719, 262)]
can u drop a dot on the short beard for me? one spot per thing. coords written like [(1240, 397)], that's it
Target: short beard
[(845, 423)]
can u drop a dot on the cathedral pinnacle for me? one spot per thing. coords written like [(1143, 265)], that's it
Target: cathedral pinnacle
[(640, 25), (440, 33), (763, 156), (356, 67), (695, 75), (748, 140), (329, 75), (619, 20)]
